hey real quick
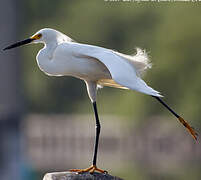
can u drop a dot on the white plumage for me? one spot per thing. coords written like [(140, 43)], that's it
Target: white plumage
[(140, 60), (95, 65)]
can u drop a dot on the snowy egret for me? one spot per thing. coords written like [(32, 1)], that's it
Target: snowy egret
[(97, 66)]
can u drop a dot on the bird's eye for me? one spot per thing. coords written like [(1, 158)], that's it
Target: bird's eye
[(39, 36)]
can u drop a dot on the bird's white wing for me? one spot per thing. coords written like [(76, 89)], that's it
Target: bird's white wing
[(122, 71)]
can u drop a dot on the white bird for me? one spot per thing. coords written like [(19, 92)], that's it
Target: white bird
[(97, 66)]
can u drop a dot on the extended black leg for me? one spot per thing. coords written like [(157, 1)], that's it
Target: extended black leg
[(185, 124), (98, 127)]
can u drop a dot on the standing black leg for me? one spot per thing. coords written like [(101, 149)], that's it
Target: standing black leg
[(93, 168), (98, 127)]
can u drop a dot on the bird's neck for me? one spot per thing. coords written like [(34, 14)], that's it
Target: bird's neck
[(50, 48)]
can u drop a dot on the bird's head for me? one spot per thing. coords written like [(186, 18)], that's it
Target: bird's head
[(45, 36)]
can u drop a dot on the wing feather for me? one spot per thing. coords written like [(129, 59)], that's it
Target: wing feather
[(122, 72)]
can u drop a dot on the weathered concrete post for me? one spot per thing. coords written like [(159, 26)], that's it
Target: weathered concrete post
[(75, 176)]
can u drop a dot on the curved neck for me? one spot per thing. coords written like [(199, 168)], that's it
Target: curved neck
[(50, 47)]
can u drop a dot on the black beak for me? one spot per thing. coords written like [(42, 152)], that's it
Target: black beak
[(20, 43)]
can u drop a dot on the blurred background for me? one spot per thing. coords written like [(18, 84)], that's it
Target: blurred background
[(46, 123)]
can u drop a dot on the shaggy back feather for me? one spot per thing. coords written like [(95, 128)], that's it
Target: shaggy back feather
[(140, 60)]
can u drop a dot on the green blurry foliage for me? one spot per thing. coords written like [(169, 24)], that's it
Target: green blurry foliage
[(169, 32)]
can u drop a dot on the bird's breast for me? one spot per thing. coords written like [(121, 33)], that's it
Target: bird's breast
[(46, 64)]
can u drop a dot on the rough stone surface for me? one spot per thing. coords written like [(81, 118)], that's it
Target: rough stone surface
[(75, 176)]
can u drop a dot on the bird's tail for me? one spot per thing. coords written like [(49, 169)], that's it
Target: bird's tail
[(181, 120)]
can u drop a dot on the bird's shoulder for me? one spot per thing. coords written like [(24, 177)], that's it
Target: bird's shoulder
[(76, 49)]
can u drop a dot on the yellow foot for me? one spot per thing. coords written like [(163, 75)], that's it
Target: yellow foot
[(91, 169)]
